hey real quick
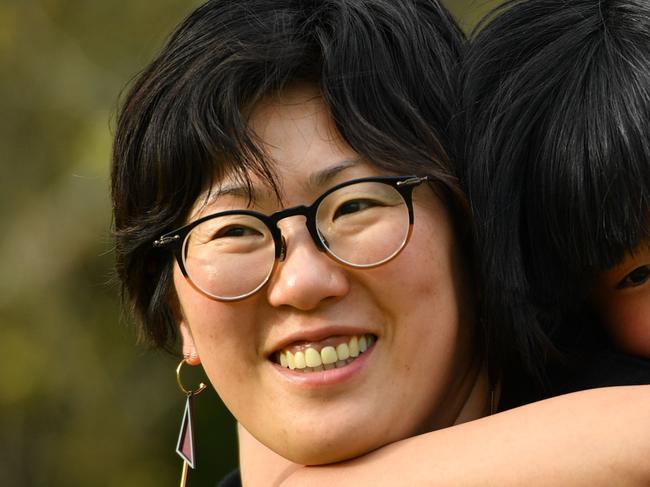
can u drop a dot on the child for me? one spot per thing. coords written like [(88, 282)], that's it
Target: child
[(558, 171)]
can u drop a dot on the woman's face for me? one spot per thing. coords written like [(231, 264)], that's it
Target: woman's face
[(418, 309), (622, 296)]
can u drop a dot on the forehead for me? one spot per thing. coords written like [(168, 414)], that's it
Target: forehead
[(295, 130), (302, 147)]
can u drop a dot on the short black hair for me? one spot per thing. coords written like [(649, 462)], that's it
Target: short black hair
[(387, 71), (557, 106)]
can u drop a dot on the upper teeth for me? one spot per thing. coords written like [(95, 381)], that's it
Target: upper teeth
[(329, 357)]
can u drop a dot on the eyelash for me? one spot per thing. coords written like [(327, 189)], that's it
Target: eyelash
[(642, 272)]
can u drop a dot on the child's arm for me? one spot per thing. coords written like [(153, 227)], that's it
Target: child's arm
[(590, 438)]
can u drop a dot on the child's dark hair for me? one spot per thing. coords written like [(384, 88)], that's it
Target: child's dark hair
[(387, 71), (557, 97)]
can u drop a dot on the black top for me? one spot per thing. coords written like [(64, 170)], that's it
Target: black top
[(233, 479), (579, 371), (602, 370)]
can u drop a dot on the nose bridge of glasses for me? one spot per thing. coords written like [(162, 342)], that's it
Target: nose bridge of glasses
[(310, 221)]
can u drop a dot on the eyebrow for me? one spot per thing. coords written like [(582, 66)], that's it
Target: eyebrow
[(237, 191), (316, 180), (323, 177), (232, 190)]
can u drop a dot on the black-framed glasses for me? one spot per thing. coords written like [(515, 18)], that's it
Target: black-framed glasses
[(361, 223)]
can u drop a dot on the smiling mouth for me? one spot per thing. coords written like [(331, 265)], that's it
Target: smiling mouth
[(326, 357)]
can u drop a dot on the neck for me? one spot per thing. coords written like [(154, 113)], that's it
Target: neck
[(481, 400)]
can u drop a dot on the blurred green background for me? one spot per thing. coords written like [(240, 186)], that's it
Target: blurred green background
[(80, 403)]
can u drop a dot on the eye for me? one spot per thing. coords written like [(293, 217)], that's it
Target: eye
[(353, 206), (235, 231), (635, 278)]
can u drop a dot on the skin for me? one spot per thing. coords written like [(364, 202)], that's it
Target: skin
[(585, 440), (422, 374), (622, 298), (511, 448)]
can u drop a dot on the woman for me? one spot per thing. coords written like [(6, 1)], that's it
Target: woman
[(257, 118), (254, 110)]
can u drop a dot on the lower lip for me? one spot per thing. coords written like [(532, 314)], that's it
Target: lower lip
[(325, 378)]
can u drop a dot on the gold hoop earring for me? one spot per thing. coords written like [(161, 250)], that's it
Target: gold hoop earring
[(185, 444)]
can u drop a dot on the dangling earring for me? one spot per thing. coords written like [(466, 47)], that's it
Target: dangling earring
[(185, 445)]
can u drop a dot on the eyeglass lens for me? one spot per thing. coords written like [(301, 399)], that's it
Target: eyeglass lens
[(362, 225)]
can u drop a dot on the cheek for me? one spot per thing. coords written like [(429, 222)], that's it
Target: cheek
[(221, 331), (628, 320), (431, 294), (225, 340), (436, 272)]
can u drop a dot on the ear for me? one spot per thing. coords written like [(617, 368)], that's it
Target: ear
[(190, 353), (189, 349)]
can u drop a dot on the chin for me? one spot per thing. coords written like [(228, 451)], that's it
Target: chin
[(324, 453), (325, 449)]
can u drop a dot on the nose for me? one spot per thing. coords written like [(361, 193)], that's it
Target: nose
[(306, 277)]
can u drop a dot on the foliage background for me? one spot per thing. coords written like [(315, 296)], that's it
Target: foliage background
[(80, 403)]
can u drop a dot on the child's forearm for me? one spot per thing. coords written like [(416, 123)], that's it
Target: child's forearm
[(590, 438)]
